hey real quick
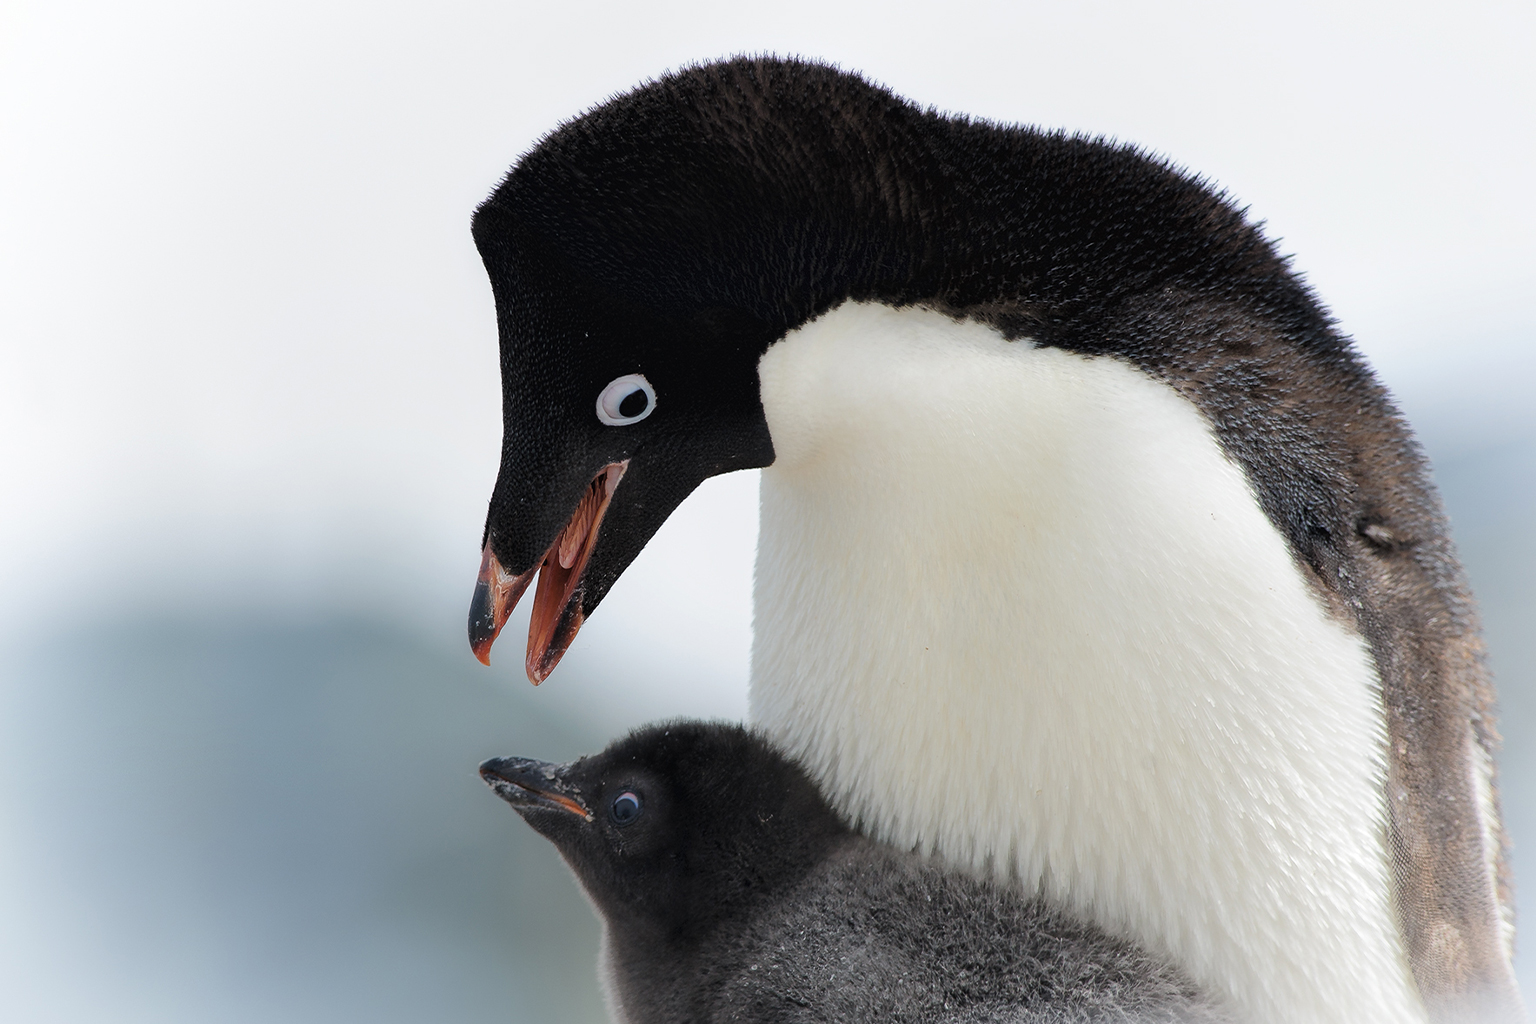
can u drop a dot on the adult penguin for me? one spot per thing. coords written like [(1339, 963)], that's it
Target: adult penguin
[(1091, 557)]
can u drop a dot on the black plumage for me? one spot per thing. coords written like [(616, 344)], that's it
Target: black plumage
[(732, 892)]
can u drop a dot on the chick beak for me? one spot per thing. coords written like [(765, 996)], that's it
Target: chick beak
[(524, 782), (557, 613)]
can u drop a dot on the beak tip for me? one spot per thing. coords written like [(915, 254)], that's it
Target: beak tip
[(483, 631), (496, 594), (546, 650)]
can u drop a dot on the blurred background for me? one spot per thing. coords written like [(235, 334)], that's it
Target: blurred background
[(249, 421)]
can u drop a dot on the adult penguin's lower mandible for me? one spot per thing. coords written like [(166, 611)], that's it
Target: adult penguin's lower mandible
[(1091, 555)]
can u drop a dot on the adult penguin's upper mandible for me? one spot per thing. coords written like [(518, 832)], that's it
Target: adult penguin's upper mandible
[(1092, 556)]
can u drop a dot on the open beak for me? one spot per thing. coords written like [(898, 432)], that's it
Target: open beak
[(557, 613), (524, 782)]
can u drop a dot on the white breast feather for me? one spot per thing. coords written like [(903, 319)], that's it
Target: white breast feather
[(1015, 607)]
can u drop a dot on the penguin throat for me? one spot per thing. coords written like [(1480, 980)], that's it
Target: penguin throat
[(1015, 608)]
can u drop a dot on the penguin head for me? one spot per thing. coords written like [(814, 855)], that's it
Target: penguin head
[(677, 825), (642, 259)]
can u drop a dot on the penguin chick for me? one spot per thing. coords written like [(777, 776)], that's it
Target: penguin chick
[(731, 891)]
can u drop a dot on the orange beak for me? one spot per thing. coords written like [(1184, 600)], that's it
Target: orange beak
[(557, 613)]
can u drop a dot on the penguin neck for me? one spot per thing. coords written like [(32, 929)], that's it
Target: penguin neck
[(1015, 608)]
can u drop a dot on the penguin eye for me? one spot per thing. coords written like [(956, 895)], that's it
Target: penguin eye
[(627, 399), (625, 808)]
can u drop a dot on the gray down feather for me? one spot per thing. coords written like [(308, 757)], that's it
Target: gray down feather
[(875, 935)]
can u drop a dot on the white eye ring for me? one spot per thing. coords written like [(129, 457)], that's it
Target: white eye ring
[(621, 392)]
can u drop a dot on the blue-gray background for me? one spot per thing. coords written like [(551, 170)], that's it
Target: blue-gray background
[(249, 420)]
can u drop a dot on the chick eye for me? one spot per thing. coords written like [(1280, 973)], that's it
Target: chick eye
[(627, 399), (625, 808)]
